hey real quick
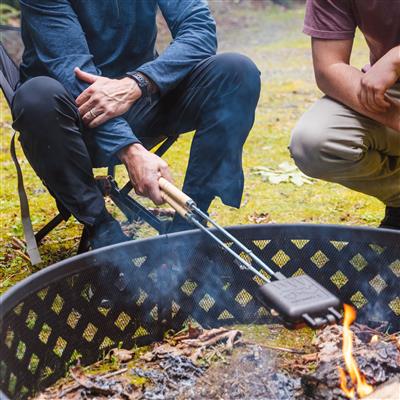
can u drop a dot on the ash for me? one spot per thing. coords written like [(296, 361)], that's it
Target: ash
[(250, 374), (174, 375)]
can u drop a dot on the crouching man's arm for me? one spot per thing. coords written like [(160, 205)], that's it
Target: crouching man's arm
[(365, 93)]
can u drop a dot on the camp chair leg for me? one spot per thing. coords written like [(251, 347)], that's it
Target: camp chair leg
[(134, 211), (49, 227), (84, 244)]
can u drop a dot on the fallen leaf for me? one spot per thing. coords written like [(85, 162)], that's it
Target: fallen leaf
[(259, 218), (285, 173), (121, 355)]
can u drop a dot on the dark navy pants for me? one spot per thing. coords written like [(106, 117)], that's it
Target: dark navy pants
[(217, 99)]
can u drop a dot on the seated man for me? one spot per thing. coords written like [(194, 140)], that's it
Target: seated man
[(95, 93), (352, 135)]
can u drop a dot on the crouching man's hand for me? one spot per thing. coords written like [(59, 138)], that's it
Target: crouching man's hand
[(105, 98), (376, 82), (145, 169)]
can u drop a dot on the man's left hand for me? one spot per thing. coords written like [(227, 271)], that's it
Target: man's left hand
[(375, 83), (105, 98)]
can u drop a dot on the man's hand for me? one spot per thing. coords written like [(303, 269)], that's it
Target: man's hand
[(342, 82), (145, 169), (105, 98), (375, 83)]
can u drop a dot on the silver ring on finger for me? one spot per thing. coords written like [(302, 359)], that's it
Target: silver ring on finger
[(92, 113)]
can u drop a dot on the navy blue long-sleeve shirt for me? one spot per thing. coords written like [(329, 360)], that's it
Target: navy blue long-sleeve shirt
[(111, 38)]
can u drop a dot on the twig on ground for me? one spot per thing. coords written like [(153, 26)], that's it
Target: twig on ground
[(278, 348), (114, 373)]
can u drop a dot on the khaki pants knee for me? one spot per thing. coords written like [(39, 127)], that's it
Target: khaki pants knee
[(334, 143)]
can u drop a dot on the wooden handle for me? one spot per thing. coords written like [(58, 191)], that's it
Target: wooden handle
[(174, 193), (177, 207)]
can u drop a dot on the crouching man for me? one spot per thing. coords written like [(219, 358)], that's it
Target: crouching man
[(352, 135), (94, 92)]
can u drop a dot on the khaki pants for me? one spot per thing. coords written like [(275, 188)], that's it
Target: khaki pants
[(336, 144)]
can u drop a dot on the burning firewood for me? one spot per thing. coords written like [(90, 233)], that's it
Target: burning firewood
[(365, 361), (388, 391)]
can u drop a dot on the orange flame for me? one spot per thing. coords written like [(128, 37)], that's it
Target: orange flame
[(358, 380)]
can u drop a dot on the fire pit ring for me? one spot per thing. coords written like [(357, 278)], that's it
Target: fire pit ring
[(132, 293)]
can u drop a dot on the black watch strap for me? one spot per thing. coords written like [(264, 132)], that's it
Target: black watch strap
[(142, 82)]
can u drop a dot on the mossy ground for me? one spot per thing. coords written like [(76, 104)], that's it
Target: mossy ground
[(273, 39)]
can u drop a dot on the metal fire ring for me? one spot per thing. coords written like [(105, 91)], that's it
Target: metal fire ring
[(131, 293)]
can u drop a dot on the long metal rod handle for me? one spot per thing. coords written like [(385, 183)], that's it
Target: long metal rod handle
[(234, 240), (243, 262), (183, 203)]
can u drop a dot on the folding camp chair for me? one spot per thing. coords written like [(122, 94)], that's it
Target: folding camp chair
[(131, 208)]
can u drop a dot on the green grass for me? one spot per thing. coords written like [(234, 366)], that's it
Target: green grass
[(273, 39)]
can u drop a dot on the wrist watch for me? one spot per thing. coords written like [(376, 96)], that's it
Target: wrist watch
[(143, 83)]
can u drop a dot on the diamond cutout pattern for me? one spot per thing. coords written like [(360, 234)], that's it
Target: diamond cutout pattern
[(154, 313), (378, 283), (31, 319), (377, 249), (18, 308), (243, 297), (395, 305), (299, 272), (33, 363), (140, 332), (339, 279), (359, 300), (60, 346), (45, 333), (189, 287), (9, 338), (395, 267), (207, 302), (122, 321), (175, 307), (142, 297), (90, 332), (261, 244), (225, 315), (139, 261), (262, 312), (21, 348), (106, 343), (12, 383), (339, 245), (42, 293), (73, 318), (258, 280), (58, 304), (300, 243), (358, 262), (319, 259), (280, 258)]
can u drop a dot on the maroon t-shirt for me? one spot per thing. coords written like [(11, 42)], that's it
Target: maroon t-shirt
[(378, 20)]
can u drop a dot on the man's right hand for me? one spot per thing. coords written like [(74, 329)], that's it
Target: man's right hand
[(348, 85), (145, 169), (378, 80)]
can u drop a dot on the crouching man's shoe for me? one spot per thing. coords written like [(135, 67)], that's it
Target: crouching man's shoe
[(105, 231), (392, 218)]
